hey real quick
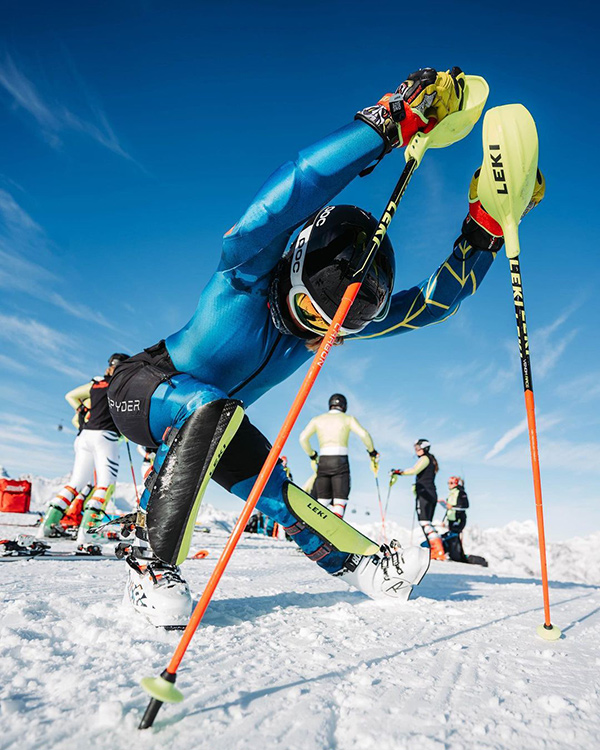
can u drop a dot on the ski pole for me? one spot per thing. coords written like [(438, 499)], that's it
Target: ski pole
[(162, 689), (387, 500), (383, 531), (137, 497), (506, 184)]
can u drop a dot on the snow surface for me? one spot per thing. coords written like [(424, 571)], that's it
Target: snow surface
[(288, 657)]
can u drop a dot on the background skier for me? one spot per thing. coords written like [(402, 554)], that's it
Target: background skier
[(332, 485), (96, 455), (456, 504), (257, 321), (424, 472)]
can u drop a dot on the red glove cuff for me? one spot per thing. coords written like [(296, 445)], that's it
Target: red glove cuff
[(408, 120), (481, 216)]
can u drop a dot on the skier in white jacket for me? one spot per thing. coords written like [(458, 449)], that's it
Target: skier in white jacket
[(332, 484)]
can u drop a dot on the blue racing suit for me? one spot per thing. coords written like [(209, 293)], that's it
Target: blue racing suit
[(231, 347)]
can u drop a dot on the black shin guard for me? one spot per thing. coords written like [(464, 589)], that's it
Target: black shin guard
[(188, 466)]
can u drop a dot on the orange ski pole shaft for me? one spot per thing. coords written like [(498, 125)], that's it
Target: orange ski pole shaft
[(263, 476), (169, 674), (517, 285)]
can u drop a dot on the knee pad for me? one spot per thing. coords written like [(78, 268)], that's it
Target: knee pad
[(324, 523), (176, 491)]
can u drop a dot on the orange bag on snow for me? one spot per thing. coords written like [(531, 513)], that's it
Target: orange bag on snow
[(15, 495)]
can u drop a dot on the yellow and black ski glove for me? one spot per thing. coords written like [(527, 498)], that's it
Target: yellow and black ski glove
[(480, 229), (418, 104)]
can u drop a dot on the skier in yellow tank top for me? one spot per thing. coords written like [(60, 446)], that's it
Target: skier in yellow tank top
[(333, 429)]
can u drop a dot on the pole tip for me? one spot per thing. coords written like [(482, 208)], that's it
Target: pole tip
[(150, 714), (548, 632)]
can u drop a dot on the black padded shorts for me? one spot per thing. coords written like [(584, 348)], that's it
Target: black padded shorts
[(131, 388), (333, 478)]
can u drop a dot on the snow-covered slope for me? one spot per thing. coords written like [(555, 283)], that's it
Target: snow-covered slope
[(289, 657), (513, 550), (43, 489)]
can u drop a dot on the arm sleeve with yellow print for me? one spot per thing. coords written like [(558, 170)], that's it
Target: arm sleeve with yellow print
[(421, 464), (359, 430), (76, 398), (436, 298), (306, 435)]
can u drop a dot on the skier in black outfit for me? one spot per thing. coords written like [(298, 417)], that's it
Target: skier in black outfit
[(426, 494)]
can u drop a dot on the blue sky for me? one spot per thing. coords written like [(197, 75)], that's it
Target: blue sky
[(133, 136)]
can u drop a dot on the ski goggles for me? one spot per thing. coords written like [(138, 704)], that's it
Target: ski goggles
[(307, 315), (304, 310)]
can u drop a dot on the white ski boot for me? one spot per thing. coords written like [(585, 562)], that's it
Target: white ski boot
[(158, 592), (390, 574)]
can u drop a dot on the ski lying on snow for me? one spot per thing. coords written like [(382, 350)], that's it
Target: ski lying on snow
[(56, 555)]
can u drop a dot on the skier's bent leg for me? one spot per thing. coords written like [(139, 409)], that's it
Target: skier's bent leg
[(193, 423), (341, 487), (105, 448), (425, 511), (80, 476), (324, 537), (196, 422), (338, 506)]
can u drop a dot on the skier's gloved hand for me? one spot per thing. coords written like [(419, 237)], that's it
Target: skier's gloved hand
[(418, 104), (481, 230), (539, 191), (314, 461), (424, 99), (394, 474), (374, 461)]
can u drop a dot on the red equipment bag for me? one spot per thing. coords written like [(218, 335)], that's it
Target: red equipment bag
[(15, 495)]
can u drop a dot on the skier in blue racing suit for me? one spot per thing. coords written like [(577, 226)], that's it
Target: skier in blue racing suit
[(261, 317)]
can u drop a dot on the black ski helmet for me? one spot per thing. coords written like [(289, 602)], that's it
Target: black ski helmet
[(423, 444), (311, 278), (116, 358), (338, 401)]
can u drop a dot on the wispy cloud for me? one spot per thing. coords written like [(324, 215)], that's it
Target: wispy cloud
[(53, 118), (555, 455), (548, 345), (21, 236), (460, 446), (550, 342), (581, 389), (506, 439), (80, 311), (7, 363), (27, 446), (48, 347), (543, 424)]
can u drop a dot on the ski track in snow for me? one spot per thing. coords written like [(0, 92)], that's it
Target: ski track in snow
[(288, 657)]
